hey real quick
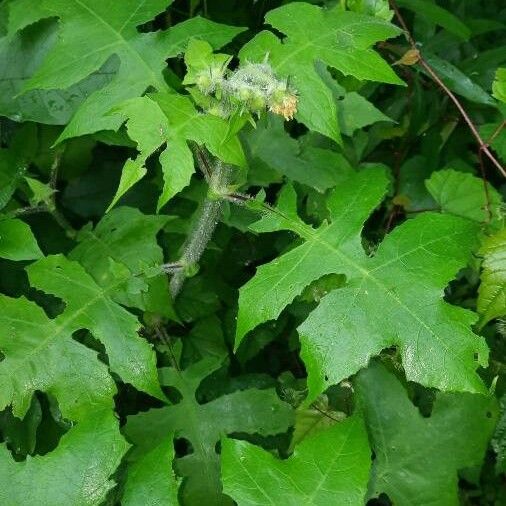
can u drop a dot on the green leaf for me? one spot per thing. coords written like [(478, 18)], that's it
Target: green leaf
[(173, 119), (331, 466), (356, 112), (419, 457), (315, 167), (93, 33), (437, 15), (391, 299), (150, 480), (41, 192), (128, 237), (313, 420), (499, 439), (492, 291), (77, 472), (378, 8), (250, 411), (341, 40), (494, 134), (20, 55), (89, 305), (33, 361), (465, 195), (499, 85), (17, 241), (457, 81)]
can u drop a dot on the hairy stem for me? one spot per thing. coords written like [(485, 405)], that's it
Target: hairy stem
[(208, 217)]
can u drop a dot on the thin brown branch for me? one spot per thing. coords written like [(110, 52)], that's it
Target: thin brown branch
[(432, 73)]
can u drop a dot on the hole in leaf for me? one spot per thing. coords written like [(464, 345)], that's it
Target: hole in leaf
[(52, 426), (40, 430), (52, 305), (382, 500), (182, 447), (173, 394), (85, 338)]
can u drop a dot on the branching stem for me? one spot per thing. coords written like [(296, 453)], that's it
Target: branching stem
[(432, 73)]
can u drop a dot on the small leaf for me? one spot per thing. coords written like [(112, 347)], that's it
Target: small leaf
[(492, 291), (457, 81), (17, 241), (464, 195), (499, 85)]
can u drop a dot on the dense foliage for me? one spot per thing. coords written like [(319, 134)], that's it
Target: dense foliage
[(252, 252)]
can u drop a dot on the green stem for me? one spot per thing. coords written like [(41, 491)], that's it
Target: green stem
[(208, 217)]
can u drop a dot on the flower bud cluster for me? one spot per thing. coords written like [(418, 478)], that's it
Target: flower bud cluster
[(251, 88)]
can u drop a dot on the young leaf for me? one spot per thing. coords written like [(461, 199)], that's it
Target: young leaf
[(331, 467), (393, 298), (251, 411), (173, 119), (492, 291), (419, 457), (330, 36), (93, 32)]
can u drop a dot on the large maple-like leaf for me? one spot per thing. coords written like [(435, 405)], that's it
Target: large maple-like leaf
[(93, 32), (393, 298), (417, 458), (251, 411), (331, 467), (40, 353), (341, 40)]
